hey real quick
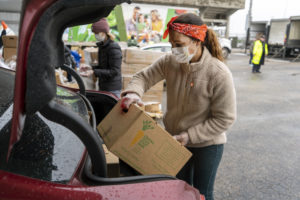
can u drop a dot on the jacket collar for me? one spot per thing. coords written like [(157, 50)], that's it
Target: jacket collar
[(103, 44), (192, 67)]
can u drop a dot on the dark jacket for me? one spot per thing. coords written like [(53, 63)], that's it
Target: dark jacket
[(109, 68), (2, 34)]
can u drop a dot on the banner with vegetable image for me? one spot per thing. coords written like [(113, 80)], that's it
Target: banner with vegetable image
[(83, 33), (144, 23)]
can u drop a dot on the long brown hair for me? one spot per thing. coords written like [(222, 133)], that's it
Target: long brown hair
[(211, 41)]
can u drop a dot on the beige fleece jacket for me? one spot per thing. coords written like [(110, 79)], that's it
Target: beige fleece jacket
[(201, 98)]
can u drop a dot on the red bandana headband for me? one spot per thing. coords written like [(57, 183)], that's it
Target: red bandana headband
[(195, 31)]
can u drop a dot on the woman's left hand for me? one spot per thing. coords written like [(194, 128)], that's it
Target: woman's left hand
[(183, 138)]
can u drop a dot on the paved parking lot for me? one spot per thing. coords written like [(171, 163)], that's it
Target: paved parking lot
[(261, 160)]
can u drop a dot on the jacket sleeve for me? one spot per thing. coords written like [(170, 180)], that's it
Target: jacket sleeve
[(266, 49), (114, 61), (223, 111), (144, 79)]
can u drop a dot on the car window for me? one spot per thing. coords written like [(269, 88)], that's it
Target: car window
[(7, 79), (46, 150)]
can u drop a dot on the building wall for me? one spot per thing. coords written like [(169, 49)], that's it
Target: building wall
[(238, 4)]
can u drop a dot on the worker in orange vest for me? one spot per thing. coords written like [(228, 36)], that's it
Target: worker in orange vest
[(3, 33)]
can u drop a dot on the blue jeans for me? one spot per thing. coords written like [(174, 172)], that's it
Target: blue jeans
[(200, 171)]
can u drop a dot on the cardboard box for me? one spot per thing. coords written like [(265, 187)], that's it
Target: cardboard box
[(71, 85), (140, 142), (89, 83), (75, 48), (137, 56), (8, 53), (58, 78), (91, 56), (10, 41), (155, 93), (112, 162), (153, 107), (132, 68)]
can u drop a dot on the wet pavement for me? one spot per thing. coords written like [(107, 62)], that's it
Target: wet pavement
[(261, 160)]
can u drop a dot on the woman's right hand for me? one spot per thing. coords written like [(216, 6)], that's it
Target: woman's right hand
[(129, 99), (87, 73), (84, 67)]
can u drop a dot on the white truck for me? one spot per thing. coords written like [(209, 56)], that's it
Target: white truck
[(292, 42), (277, 35), (255, 28), (284, 36)]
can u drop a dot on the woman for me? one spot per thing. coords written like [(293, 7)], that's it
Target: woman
[(108, 69), (201, 101), (156, 22)]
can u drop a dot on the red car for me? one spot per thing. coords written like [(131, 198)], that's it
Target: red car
[(49, 146)]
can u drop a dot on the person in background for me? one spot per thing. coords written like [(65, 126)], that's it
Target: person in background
[(156, 22), (132, 22), (3, 32), (146, 20), (156, 25), (69, 61), (201, 98), (141, 25), (108, 69), (260, 50), (132, 42)]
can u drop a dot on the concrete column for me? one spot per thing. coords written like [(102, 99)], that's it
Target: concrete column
[(227, 26), (202, 12)]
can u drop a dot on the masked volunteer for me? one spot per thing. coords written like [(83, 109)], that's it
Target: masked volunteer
[(201, 99), (108, 69)]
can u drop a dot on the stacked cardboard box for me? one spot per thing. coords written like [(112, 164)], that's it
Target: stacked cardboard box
[(61, 79), (137, 56), (135, 60), (91, 56), (79, 47), (112, 163), (9, 46)]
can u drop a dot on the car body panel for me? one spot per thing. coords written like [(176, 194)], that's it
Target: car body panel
[(30, 18), (18, 187), (225, 43)]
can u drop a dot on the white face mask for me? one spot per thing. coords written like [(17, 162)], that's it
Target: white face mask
[(182, 54), (100, 37)]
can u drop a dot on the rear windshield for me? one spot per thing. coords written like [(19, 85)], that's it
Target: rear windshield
[(46, 150)]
